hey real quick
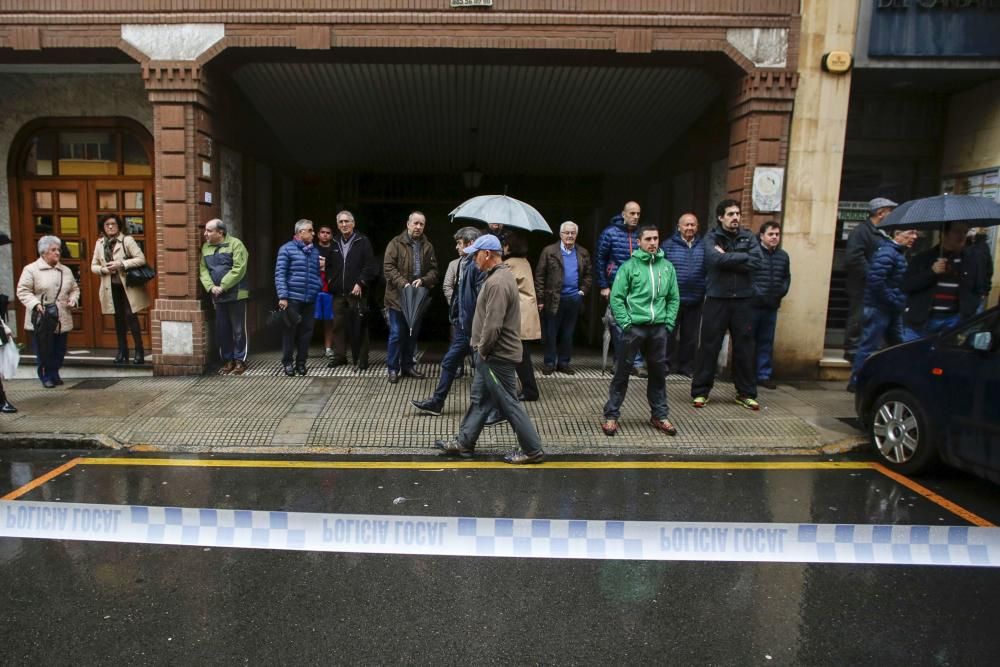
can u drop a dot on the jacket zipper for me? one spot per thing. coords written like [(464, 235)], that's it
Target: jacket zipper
[(652, 283)]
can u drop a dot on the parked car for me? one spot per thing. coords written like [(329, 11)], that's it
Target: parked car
[(937, 398)]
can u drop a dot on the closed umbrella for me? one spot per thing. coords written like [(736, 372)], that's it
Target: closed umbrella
[(503, 210), (413, 303), (606, 339)]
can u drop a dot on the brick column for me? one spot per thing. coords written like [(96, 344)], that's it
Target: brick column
[(760, 112), (185, 174)]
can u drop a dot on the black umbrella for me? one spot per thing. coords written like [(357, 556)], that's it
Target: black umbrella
[(356, 316), (935, 211), (413, 302)]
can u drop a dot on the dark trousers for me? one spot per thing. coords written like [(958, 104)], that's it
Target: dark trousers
[(345, 309), (855, 315), (50, 360), (651, 341), (402, 345), (453, 360), (719, 316), (296, 341), (494, 387), (764, 321), (526, 373), (559, 330), (231, 329), (683, 344), (124, 317), (879, 326)]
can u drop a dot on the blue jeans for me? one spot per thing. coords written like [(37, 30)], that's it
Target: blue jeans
[(453, 360), (559, 329), (877, 325), (764, 321), (930, 327), (401, 344)]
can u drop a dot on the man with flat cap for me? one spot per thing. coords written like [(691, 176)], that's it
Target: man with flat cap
[(496, 343), (864, 240)]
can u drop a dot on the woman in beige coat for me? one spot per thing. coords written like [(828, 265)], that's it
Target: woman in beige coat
[(515, 252), (114, 254), (45, 281)]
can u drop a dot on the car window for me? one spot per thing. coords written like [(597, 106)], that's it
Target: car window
[(963, 337)]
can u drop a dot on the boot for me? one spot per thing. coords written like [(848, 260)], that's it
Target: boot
[(122, 357), (140, 357)]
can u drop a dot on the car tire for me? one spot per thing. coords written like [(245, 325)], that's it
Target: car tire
[(902, 434)]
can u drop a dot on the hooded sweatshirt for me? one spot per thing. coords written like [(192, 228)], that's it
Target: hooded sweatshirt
[(645, 291)]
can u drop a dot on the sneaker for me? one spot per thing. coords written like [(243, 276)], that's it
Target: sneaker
[(300, 369), (567, 369), (289, 370), (663, 425), (453, 447), (335, 362), (430, 406), (548, 369), (329, 353), (227, 368), (239, 368), (700, 401), (747, 402), (610, 427), (521, 458)]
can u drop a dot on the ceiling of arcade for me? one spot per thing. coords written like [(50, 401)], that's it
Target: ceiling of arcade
[(500, 118)]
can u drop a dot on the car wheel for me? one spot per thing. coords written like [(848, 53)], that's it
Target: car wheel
[(902, 434)]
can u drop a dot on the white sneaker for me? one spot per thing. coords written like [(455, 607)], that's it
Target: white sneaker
[(329, 353)]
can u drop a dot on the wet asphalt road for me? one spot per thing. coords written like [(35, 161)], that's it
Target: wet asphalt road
[(76, 602)]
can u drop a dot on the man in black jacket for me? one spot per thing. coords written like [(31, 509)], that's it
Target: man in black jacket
[(864, 240), (771, 280), (729, 267), (350, 271), (944, 285)]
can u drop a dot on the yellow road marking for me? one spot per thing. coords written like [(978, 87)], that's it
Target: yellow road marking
[(958, 510), (477, 465), (38, 481)]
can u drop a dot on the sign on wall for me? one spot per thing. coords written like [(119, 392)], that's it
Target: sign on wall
[(935, 28), (768, 184)]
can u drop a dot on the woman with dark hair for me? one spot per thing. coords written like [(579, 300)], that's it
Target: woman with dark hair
[(515, 251), (114, 254)]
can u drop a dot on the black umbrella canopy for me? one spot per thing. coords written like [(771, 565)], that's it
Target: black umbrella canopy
[(935, 211), (413, 302)]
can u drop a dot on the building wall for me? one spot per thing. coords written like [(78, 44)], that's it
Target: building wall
[(972, 143), (27, 96)]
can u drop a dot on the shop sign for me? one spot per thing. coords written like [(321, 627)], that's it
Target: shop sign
[(850, 214), (935, 28), (471, 3)]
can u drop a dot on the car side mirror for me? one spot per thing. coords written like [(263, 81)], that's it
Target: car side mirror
[(982, 341)]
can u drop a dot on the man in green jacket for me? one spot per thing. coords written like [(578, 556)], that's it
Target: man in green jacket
[(223, 271), (644, 302)]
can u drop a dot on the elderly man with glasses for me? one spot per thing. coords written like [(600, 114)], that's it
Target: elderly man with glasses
[(562, 281)]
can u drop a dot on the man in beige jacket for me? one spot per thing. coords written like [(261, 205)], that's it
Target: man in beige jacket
[(496, 342)]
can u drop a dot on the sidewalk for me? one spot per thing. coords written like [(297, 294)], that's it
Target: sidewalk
[(341, 411)]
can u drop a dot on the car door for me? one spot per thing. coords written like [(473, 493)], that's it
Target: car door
[(972, 384)]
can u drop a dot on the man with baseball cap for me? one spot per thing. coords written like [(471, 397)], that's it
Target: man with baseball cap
[(864, 240), (496, 342)]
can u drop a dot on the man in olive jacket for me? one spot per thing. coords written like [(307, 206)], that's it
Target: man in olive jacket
[(409, 261), (644, 302), (562, 282), (496, 342), (222, 273)]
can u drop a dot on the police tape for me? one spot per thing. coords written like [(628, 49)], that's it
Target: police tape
[(514, 538)]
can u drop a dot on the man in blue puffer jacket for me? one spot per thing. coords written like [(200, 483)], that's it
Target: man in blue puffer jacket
[(885, 299), (614, 247), (685, 252), (297, 281)]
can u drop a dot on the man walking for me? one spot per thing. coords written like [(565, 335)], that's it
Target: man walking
[(297, 281), (771, 280), (409, 262), (862, 243), (884, 298), (350, 271), (614, 247), (461, 311), (945, 285), (684, 250), (562, 282), (644, 302), (729, 266), (496, 340), (222, 272)]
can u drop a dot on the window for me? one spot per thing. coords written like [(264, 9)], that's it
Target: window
[(963, 337), (86, 152)]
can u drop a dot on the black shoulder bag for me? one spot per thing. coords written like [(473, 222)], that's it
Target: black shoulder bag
[(140, 275)]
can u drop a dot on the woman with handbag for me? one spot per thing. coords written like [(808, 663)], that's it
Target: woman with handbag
[(114, 255), (48, 291), (6, 338)]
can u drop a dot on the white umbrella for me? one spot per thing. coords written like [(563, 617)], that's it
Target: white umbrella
[(503, 210)]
